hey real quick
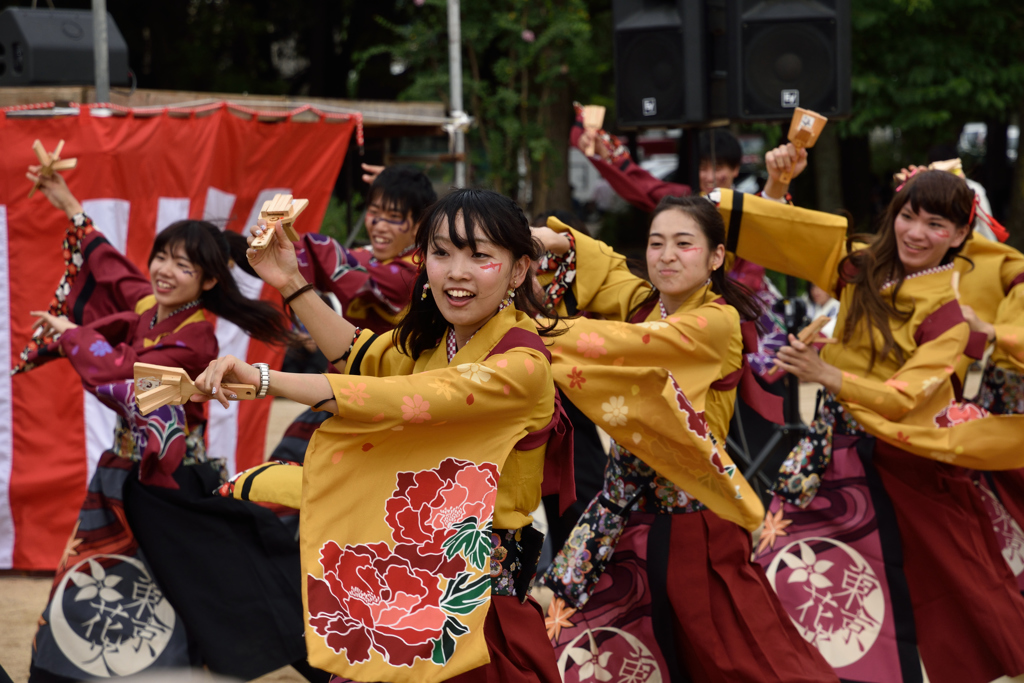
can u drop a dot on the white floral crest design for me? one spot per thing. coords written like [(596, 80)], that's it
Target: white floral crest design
[(592, 663), (808, 567), (99, 584)]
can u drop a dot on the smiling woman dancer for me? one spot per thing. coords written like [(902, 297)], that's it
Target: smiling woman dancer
[(432, 464), (650, 564), (152, 489), (865, 535), (374, 284)]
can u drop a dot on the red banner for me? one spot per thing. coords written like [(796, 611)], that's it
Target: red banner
[(135, 176)]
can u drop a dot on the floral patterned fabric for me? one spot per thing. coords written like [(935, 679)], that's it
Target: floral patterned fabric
[(373, 597), (629, 486), (134, 627), (773, 338), (38, 345), (563, 271), (1002, 391), (514, 560), (397, 560), (800, 474)]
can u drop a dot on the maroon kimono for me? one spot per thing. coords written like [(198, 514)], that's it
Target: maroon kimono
[(165, 555), (106, 350), (373, 293)]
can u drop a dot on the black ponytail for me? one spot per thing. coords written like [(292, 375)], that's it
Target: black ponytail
[(211, 251)]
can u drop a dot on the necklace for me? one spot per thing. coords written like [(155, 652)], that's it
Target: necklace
[(661, 303), (927, 271), (176, 311)]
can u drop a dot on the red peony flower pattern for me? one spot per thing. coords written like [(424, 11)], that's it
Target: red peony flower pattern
[(428, 506), (958, 413), (409, 602), (371, 598)]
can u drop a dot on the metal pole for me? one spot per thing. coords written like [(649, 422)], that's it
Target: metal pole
[(101, 53), (455, 76)]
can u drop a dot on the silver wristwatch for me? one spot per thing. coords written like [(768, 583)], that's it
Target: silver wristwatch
[(264, 379)]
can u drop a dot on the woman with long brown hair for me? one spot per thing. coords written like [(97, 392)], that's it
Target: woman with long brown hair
[(865, 536)]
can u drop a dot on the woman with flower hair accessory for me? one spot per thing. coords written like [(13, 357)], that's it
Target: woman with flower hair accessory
[(864, 535), (657, 571), (416, 496), (149, 522)]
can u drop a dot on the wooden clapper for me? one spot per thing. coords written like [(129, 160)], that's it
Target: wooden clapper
[(804, 130), (50, 163), (593, 119), (281, 210), (159, 385)]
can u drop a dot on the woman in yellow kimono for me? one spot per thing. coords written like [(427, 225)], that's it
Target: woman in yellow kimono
[(416, 497), (657, 575), (864, 540), (992, 301)]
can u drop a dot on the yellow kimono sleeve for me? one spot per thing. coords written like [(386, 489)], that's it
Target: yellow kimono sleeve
[(1009, 324), (694, 345), (376, 356), (800, 242), (915, 382), (504, 384), (617, 375), (271, 482), (603, 282)]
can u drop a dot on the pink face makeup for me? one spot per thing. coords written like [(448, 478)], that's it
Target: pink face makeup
[(942, 234), (491, 266), (689, 249)]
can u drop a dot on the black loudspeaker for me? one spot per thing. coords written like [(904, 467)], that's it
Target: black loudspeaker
[(660, 62), (55, 47), (786, 54)]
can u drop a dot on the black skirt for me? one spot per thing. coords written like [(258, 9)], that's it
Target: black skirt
[(230, 568)]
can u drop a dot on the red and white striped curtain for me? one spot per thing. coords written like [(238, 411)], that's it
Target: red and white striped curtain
[(136, 175)]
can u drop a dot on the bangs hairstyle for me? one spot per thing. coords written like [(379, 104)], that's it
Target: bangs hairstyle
[(403, 189), (936, 192), (728, 151), (486, 215), (710, 222), (211, 251)]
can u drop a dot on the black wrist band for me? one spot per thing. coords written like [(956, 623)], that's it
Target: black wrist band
[(297, 293)]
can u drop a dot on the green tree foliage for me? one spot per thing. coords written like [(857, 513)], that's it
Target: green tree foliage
[(523, 62), (926, 67)]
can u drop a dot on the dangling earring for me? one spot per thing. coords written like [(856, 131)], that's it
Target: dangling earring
[(507, 301), (426, 288)]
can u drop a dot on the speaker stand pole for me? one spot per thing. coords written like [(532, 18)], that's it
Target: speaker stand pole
[(784, 436), (689, 159), (455, 76), (101, 53)]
